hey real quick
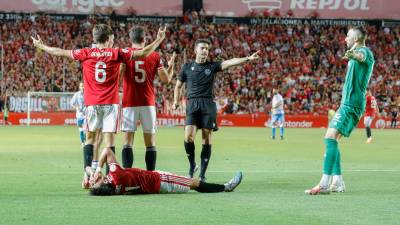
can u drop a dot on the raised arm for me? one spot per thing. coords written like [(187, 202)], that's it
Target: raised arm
[(237, 61), (106, 156), (38, 43), (166, 74), (147, 50)]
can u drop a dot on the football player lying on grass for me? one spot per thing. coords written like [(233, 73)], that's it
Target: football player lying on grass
[(137, 181)]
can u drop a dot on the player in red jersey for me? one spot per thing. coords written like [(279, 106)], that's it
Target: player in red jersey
[(100, 78), (371, 110), (138, 181), (138, 101)]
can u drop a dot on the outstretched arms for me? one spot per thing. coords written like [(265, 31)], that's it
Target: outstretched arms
[(38, 43), (237, 61)]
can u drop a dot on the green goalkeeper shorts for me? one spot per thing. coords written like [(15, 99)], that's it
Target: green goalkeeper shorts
[(346, 119)]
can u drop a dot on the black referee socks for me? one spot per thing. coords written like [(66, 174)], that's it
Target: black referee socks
[(205, 159)]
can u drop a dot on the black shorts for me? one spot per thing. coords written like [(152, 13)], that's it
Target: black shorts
[(201, 112)]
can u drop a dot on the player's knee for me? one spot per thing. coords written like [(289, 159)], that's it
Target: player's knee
[(332, 133), (206, 141), (189, 138), (149, 139), (90, 138)]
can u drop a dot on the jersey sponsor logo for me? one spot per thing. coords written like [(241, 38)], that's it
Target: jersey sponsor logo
[(113, 168), (207, 72), (125, 50)]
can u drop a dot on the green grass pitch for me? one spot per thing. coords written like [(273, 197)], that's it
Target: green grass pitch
[(41, 172)]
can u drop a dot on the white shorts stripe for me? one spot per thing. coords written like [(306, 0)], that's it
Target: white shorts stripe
[(171, 183)]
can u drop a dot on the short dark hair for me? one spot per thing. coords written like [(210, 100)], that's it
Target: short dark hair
[(361, 32), (136, 35), (102, 190), (199, 41), (101, 33)]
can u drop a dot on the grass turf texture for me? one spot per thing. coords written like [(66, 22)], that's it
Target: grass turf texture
[(41, 172)]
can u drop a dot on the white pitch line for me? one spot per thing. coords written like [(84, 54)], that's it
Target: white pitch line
[(215, 171)]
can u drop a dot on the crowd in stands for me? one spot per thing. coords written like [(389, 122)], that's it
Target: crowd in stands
[(305, 61)]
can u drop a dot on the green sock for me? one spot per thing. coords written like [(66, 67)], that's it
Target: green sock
[(337, 170), (330, 155)]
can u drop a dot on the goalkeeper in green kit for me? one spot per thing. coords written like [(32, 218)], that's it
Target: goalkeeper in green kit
[(359, 70)]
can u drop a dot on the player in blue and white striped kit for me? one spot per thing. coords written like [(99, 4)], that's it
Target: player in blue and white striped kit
[(78, 103), (277, 113)]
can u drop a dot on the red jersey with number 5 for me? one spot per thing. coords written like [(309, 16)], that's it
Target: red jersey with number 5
[(101, 73), (138, 81), (133, 180), (370, 106)]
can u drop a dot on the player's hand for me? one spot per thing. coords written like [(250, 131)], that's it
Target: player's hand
[(254, 56), (176, 105), (171, 61), (349, 54), (37, 42), (96, 176), (161, 32)]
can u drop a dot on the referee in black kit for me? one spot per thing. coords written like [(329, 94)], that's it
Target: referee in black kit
[(201, 110)]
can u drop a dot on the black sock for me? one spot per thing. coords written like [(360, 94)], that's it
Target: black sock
[(151, 158), (107, 167), (205, 158), (189, 147), (87, 155), (368, 131), (127, 156), (210, 188)]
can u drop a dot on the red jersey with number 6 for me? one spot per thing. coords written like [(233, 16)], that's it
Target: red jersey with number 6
[(138, 81), (101, 73), (133, 180), (370, 106)]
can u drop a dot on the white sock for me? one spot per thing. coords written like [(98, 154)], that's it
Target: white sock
[(337, 180), (95, 163), (325, 181)]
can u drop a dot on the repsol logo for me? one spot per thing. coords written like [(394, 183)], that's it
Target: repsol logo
[(330, 4), (84, 6)]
